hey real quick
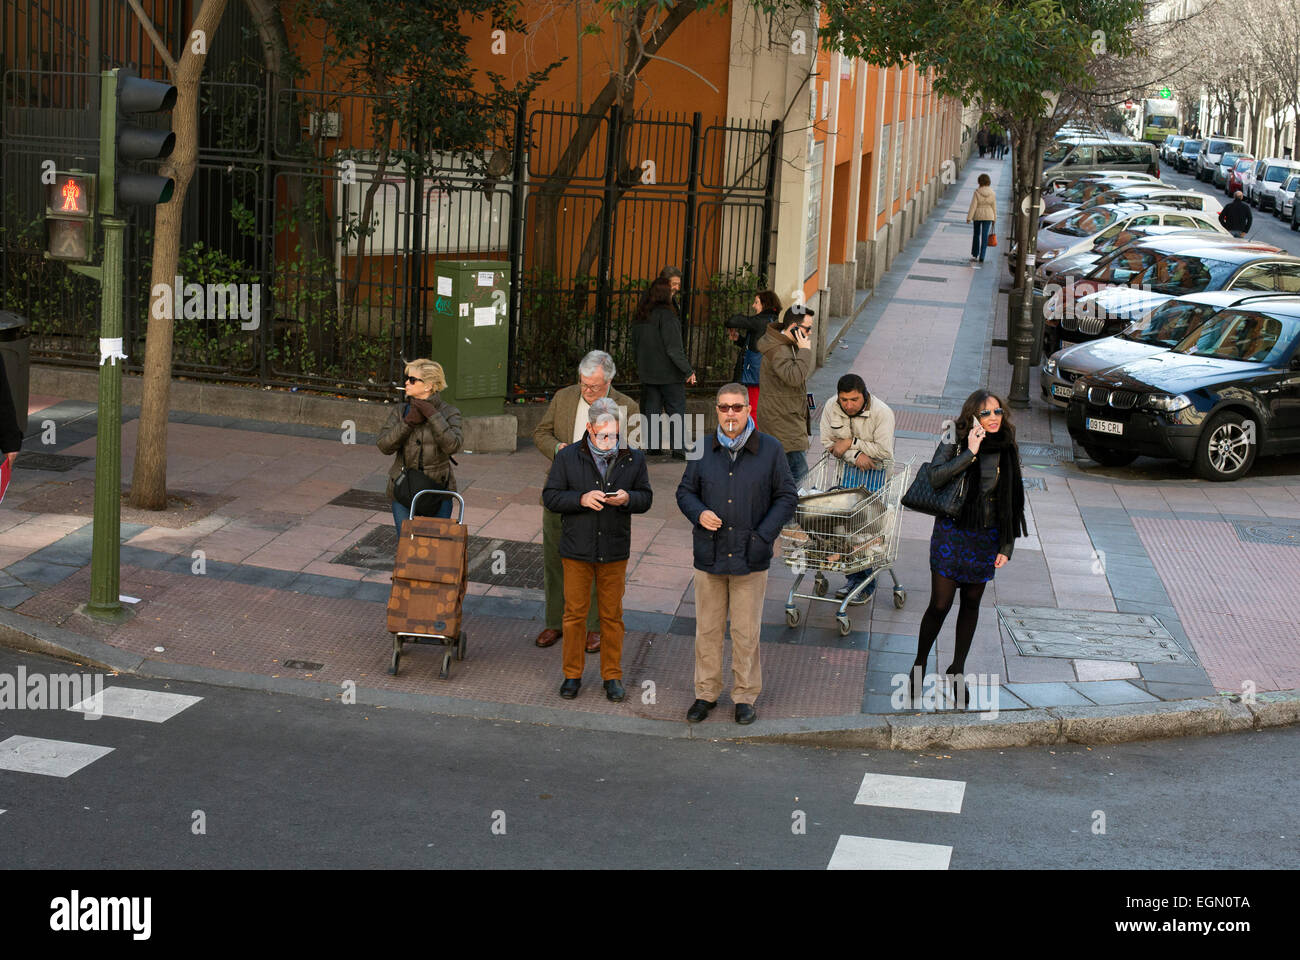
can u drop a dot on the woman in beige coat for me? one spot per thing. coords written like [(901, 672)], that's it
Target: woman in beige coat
[(983, 211)]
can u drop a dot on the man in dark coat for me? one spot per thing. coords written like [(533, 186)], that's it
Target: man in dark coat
[(596, 487), (1236, 216), (11, 438), (738, 495)]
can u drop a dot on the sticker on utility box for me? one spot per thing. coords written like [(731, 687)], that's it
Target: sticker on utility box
[(485, 316), (486, 277), (464, 309), (444, 286)]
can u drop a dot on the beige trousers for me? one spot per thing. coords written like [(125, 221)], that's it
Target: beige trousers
[(717, 599)]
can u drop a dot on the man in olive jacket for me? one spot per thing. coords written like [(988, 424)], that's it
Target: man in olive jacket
[(783, 384), (596, 484), (565, 421), (737, 495)]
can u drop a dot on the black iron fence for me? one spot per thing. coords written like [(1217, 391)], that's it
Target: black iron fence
[(292, 200)]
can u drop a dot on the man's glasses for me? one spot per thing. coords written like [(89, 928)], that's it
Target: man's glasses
[(731, 407), (606, 437), (414, 380), (995, 412)]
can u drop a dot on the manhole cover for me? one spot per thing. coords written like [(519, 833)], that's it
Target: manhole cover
[(303, 665), (364, 499), (56, 462), (509, 563), (1090, 635), (1284, 534), (1034, 483), (920, 276), (1046, 451)]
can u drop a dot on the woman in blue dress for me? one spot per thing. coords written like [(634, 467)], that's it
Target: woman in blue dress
[(965, 552)]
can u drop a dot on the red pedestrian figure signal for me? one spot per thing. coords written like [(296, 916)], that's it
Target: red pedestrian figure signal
[(73, 197)]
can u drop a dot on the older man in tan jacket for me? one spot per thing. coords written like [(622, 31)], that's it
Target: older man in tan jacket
[(858, 429), (564, 423)]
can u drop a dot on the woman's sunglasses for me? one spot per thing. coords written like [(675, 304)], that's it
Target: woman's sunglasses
[(414, 380), (995, 412)]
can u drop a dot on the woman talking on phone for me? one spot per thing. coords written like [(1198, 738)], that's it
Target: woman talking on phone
[(965, 552)]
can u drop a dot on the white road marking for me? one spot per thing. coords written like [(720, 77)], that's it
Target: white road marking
[(133, 704), (911, 793), (872, 853), (51, 758)]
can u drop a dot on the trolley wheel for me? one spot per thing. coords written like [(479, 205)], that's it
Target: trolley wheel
[(460, 646), (820, 585), (446, 666), (792, 616), (845, 625), (397, 655), (900, 598)]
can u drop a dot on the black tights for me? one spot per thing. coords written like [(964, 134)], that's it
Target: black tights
[(942, 592)]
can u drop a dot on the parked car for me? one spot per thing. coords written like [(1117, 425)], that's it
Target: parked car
[(1236, 174), (1228, 391), (1099, 153), (1169, 149), (1269, 179), (1150, 193), (1185, 162), (1158, 330), (1069, 191), (1168, 223), (1142, 275), (1211, 155), (1225, 165), (1286, 197)]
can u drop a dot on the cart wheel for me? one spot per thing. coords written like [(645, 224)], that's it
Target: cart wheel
[(397, 655), (792, 616), (460, 646), (446, 666), (845, 625), (900, 598), (820, 585)]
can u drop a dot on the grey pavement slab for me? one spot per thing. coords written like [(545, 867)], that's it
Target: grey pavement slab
[(1112, 691), (1047, 694), (1180, 691)]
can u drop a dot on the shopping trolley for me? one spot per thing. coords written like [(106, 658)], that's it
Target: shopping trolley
[(848, 520)]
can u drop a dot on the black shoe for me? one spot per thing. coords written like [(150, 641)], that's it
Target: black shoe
[(569, 689), (699, 710), (915, 677), (614, 691), (745, 713), (958, 679), (862, 598)]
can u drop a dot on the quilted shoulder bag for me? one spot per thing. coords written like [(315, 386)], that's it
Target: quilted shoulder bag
[(946, 501)]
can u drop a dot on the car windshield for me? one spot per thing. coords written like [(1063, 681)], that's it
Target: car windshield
[(1170, 324), (1115, 241), (1123, 266), (1292, 184), (1193, 147), (1086, 222), (1244, 164), (1164, 122), (1228, 159), (1176, 274), (1276, 174), (1240, 334), (1218, 146), (1056, 152)]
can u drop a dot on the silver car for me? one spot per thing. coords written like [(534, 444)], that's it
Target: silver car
[(1212, 153), (1263, 182), (1171, 223), (1159, 330), (1284, 196)]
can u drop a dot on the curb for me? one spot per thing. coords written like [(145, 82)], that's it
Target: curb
[(1093, 725)]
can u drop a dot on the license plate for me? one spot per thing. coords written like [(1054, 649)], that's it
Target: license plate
[(1104, 426), (1062, 390)]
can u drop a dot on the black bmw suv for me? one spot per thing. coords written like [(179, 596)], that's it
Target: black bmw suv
[(1227, 391)]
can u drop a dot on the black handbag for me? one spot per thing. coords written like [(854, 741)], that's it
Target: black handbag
[(412, 480), (946, 501)]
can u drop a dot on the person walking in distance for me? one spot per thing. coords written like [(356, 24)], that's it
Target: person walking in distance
[(983, 213), (738, 495), (787, 364), (663, 367), (596, 485), (965, 552), (745, 331), (565, 422), (1236, 217)]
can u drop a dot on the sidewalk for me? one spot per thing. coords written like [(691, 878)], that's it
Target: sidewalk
[(272, 568)]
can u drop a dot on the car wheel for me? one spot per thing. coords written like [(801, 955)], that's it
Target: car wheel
[(1109, 458), (1227, 447)]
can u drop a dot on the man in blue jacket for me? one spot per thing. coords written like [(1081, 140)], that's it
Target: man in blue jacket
[(738, 494), (595, 486)]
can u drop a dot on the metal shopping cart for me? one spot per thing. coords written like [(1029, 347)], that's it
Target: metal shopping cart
[(848, 521)]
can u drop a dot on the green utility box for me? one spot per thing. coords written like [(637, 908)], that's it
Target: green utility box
[(470, 332)]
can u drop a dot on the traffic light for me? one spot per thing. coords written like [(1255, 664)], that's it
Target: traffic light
[(70, 216), (131, 144)]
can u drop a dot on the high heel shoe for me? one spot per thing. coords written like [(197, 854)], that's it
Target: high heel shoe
[(913, 681), (958, 680)]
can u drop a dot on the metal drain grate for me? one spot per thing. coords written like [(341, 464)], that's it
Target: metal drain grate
[(1265, 531), (921, 276), (507, 563), (1047, 450), (1034, 483), (942, 262), (1090, 635), (54, 462), (364, 499), (303, 665)]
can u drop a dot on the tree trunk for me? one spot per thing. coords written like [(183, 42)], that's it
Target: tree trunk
[(149, 472)]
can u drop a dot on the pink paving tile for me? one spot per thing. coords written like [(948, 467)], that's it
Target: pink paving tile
[(339, 570)]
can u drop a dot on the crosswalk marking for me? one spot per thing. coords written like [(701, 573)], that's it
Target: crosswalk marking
[(131, 703), (51, 758), (872, 853), (911, 793)]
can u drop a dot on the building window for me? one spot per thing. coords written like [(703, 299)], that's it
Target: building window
[(883, 153), (816, 154)]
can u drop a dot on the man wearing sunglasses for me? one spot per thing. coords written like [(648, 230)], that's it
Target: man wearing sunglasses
[(783, 384), (565, 422), (737, 495)]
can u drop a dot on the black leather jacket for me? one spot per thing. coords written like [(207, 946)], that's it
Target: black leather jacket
[(947, 463)]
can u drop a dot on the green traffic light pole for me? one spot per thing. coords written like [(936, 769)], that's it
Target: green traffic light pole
[(106, 552)]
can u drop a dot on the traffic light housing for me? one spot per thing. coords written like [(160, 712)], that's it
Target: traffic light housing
[(124, 143), (70, 216)]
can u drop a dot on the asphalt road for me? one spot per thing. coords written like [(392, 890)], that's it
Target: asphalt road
[(1265, 226), (282, 781)]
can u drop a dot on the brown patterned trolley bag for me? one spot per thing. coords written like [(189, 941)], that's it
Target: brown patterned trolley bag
[(429, 583)]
